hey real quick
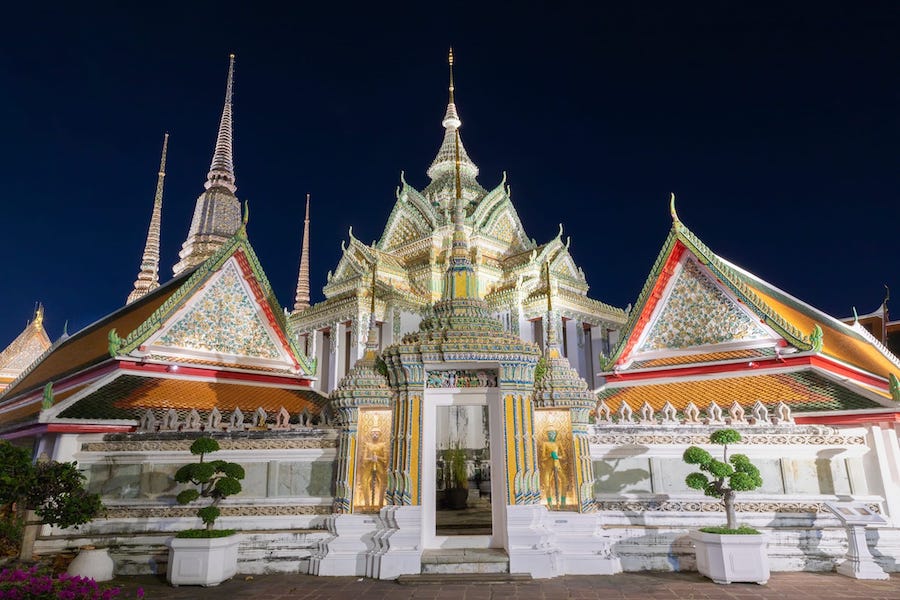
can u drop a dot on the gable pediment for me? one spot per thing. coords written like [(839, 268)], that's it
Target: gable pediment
[(224, 323), (696, 313)]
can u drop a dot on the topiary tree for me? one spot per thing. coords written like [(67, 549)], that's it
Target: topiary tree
[(215, 479), (729, 475)]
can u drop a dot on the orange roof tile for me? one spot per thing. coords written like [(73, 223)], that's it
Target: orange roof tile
[(128, 396), (802, 391), (838, 343)]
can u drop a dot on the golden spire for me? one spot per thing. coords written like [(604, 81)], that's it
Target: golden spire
[(450, 60)]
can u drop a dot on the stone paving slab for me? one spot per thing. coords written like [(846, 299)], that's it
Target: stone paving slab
[(628, 586)]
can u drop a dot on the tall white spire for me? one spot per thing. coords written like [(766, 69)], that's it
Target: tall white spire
[(221, 169), (148, 276), (301, 300), (217, 214)]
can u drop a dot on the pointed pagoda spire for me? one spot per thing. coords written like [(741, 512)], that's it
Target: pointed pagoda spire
[(459, 281), (148, 277), (221, 169), (444, 163), (301, 300), (217, 214)]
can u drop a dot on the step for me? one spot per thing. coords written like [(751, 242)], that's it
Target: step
[(465, 560), (475, 578)]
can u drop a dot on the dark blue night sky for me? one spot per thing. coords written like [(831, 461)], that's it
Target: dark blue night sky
[(777, 127)]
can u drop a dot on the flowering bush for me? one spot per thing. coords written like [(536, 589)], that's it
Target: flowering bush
[(33, 584)]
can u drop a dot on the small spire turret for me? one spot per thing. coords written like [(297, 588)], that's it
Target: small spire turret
[(148, 277), (301, 299)]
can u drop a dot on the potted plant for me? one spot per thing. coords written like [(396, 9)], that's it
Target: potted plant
[(458, 482), (733, 552), (205, 556)]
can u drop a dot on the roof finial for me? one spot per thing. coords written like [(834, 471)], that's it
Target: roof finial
[(148, 276), (221, 171), (672, 209), (450, 60), (38, 316), (301, 300)]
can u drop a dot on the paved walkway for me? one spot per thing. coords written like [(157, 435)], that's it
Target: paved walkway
[(652, 585)]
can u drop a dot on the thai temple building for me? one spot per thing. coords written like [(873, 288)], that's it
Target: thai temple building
[(415, 251), (25, 349), (457, 403)]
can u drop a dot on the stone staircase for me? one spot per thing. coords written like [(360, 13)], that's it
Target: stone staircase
[(475, 565)]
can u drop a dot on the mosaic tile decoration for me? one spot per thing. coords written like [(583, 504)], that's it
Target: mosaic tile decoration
[(224, 320), (699, 313)]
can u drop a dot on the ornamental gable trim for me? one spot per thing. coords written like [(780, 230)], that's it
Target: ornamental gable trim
[(222, 321), (698, 313)]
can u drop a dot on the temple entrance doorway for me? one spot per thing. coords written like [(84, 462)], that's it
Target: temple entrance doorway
[(463, 471)]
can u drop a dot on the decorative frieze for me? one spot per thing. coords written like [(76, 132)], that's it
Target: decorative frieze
[(632, 436), (769, 506), (183, 445), (247, 510)]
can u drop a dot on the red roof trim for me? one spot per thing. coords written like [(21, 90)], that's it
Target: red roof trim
[(823, 362), (865, 419), (193, 371), (653, 298), (88, 428), (241, 258)]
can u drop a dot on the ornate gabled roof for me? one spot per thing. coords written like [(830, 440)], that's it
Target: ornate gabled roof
[(798, 324), (148, 276), (239, 249), (412, 218), (496, 217), (25, 349), (679, 241), (138, 321), (217, 213)]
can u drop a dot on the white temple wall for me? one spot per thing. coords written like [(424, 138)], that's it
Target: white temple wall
[(287, 492), (648, 510)]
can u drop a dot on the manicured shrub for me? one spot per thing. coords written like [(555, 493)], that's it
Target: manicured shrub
[(729, 475), (215, 480)]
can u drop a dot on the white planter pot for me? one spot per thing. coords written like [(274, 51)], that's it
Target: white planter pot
[(730, 558), (93, 563), (203, 562)]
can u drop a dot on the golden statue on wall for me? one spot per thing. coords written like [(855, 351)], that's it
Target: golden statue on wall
[(372, 461), (553, 475), (554, 459)]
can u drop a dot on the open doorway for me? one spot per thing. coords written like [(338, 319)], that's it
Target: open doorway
[(463, 471)]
